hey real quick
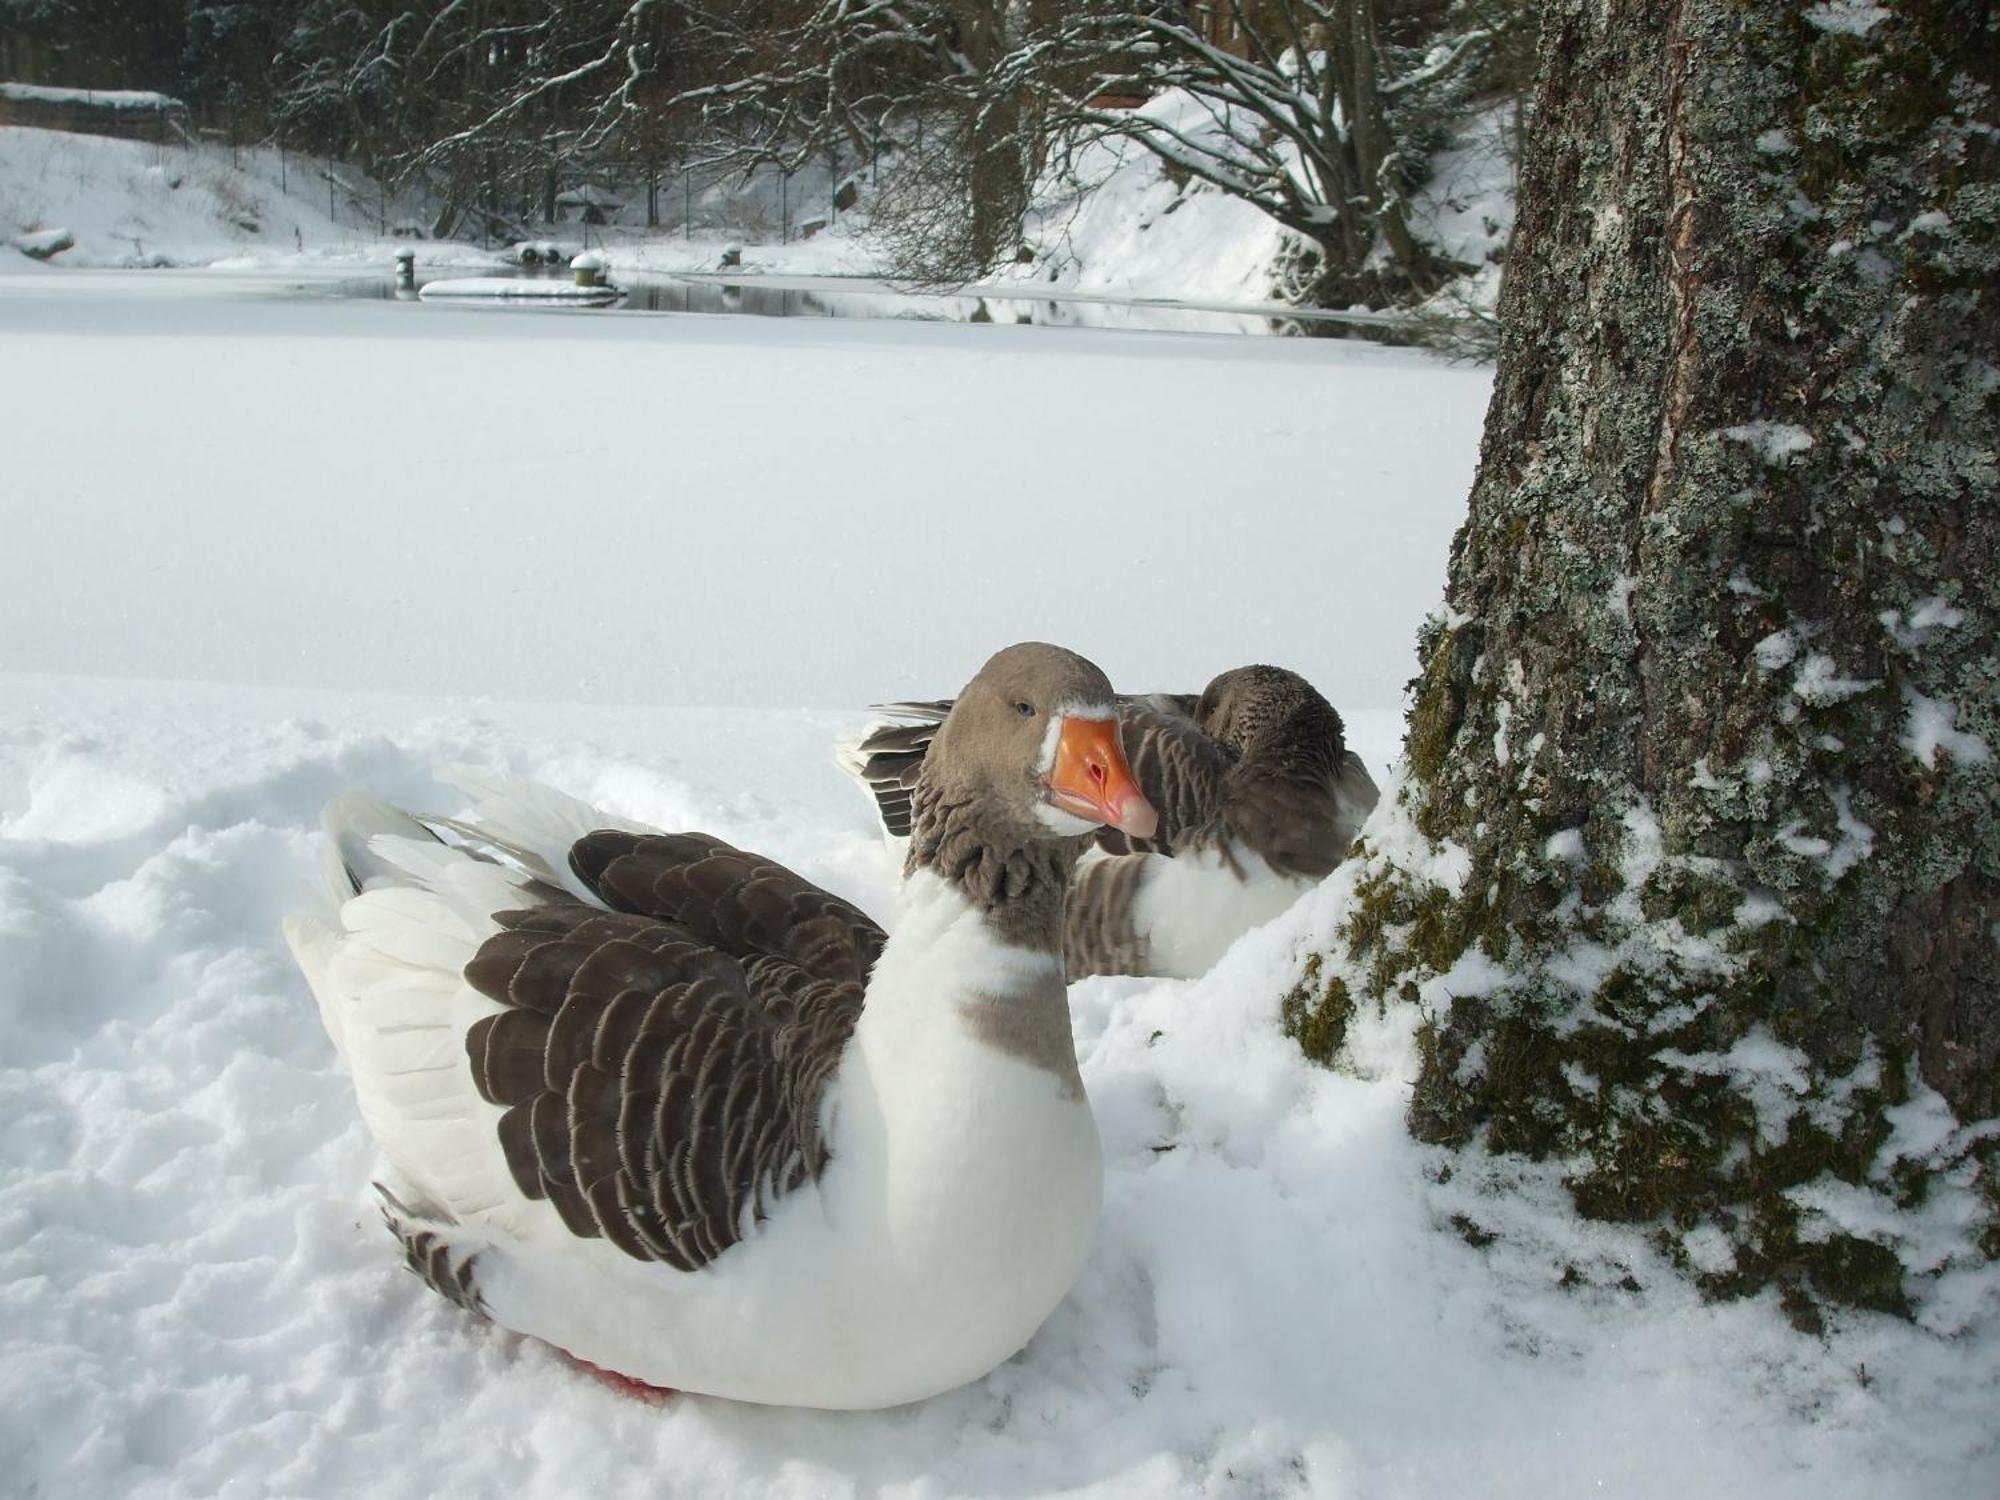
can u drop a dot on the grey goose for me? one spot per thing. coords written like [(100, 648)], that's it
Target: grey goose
[(1258, 796), (698, 1123)]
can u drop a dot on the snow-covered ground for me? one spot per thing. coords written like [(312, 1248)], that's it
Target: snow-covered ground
[(259, 549)]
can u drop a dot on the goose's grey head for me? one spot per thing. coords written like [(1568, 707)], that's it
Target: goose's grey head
[(1034, 737)]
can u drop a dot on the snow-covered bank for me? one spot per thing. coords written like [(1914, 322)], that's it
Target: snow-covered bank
[(144, 204), (135, 203), (1124, 226)]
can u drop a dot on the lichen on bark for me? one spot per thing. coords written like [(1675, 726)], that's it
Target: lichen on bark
[(1710, 718)]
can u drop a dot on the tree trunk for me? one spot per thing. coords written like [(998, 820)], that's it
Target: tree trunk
[(1373, 145), (996, 186), (1696, 868)]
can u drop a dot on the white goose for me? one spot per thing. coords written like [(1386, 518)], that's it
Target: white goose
[(1258, 798), (678, 1112)]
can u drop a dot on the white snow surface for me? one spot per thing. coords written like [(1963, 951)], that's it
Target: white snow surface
[(105, 98), (381, 531), (735, 511), (511, 288), (1847, 17)]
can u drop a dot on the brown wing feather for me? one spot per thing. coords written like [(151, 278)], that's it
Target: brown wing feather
[(1291, 820), (662, 1065), (1098, 933), (743, 904)]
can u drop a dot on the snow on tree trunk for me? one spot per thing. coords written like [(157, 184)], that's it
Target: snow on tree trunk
[(1697, 872)]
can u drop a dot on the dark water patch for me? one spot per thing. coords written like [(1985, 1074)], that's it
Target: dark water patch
[(830, 297)]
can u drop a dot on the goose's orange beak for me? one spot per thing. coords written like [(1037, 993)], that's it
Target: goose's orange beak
[(1090, 779)]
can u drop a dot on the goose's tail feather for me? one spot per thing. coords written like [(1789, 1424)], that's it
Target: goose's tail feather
[(887, 756)]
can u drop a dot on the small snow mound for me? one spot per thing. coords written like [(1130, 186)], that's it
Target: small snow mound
[(40, 244), (1931, 725), (1776, 443), (1819, 681), (514, 289), (1776, 650), (1847, 17), (75, 798)]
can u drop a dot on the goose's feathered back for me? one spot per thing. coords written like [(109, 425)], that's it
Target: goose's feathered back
[(661, 1065)]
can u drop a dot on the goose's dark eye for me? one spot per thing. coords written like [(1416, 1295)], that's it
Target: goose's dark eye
[(1025, 710)]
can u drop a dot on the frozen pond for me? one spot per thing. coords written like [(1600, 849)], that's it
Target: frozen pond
[(648, 502)]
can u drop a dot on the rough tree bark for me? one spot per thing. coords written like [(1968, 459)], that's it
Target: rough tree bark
[(1697, 877)]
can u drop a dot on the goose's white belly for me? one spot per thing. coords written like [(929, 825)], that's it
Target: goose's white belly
[(909, 1268), (956, 1211), (1190, 908)]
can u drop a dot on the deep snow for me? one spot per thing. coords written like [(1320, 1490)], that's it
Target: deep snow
[(472, 508)]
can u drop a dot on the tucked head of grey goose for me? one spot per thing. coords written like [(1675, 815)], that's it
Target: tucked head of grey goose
[(603, 1059), (1272, 710), (1258, 798), (1290, 791)]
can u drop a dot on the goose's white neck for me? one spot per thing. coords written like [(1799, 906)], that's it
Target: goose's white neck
[(950, 974), (960, 1128)]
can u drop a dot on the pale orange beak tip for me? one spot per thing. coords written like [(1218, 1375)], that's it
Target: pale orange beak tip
[(1136, 816), (1092, 779)]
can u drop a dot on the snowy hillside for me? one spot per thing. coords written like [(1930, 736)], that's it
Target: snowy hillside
[(1126, 227), (660, 562), (134, 203), (1121, 228)]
